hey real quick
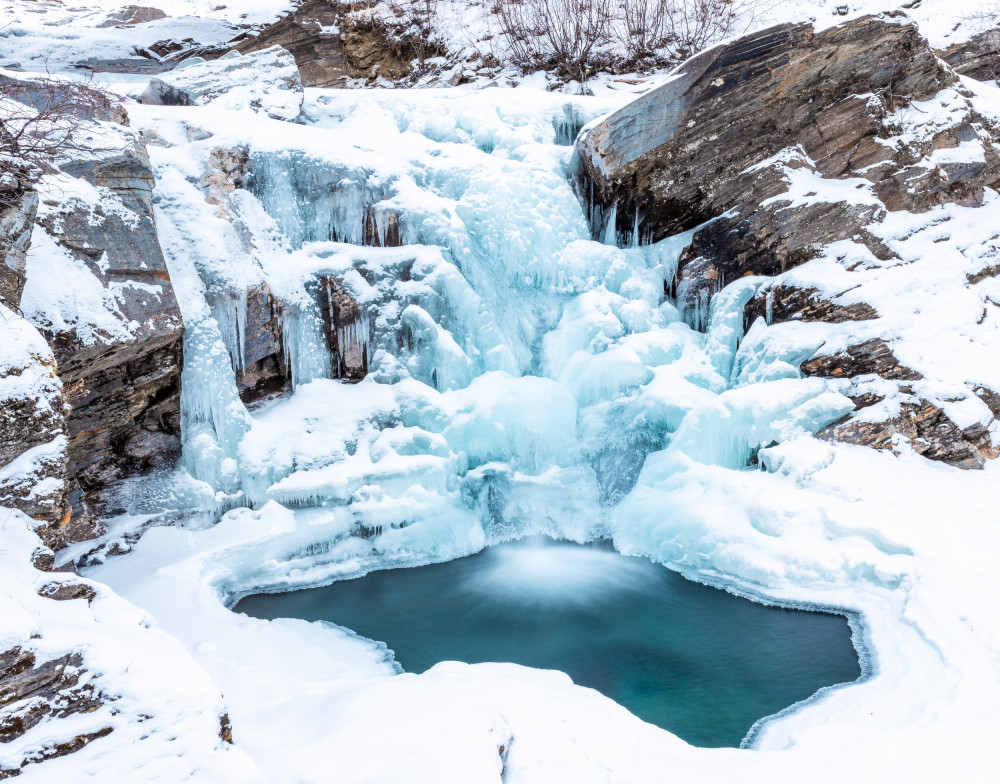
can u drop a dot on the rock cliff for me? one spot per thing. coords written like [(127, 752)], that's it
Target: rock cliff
[(781, 147)]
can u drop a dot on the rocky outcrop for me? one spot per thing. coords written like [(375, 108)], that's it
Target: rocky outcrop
[(98, 289), (32, 426), (927, 429), (746, 136), (311, 32), (334, 42), (978, 58), (779, 303), (18, 206), (266, 81), (873, 356), (132, 15)]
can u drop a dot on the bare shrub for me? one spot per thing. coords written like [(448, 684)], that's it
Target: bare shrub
[(42, 121), (673, 30), (564, 34)]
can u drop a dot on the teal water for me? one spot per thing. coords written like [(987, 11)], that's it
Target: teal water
[(692, 659)]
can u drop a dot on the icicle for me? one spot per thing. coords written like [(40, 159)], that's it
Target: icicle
[(769, 307), (635, 229), (611, 227)]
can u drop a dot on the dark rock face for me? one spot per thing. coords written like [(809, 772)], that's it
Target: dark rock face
[(723, 140), (123, 391), (927, 429), (32, 691), (264, 368), (872, 356), (345, 331), (779, 303), (978, 58), (311, 32)]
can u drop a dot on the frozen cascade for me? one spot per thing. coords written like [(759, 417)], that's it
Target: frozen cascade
[(303, 338), (353, 345), (521, 376), (313, 201), (231, 315)]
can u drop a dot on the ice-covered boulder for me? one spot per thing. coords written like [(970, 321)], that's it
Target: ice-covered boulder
[(266, 81)]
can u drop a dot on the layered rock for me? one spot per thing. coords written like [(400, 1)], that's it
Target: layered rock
[(32, 427), (926, 428), (738, 138), (311, 32), (266, 81), (98, 289), (978, 57)]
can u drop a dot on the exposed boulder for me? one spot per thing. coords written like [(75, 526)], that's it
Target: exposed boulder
[(312, 33), (927, 429), (785, 141), (266, 81), (132, 15), (978, 58)]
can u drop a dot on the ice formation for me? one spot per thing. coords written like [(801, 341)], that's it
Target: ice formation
[(527, 373)]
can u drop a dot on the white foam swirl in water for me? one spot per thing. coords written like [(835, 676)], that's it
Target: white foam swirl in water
[(552, 572)]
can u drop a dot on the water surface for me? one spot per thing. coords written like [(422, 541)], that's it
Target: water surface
[(692, 659)]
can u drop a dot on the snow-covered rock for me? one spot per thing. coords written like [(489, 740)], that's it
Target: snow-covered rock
[(267, 80), (32, 426)]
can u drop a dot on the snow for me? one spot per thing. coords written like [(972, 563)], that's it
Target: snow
[(525, 378), (157, 700)]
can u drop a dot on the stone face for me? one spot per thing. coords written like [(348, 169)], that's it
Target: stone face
[(265, 371), (724, 140), (16, 222), (266, 80), (979, 57), (118, 353), (311, 32), (779, 303), (32, 425), (872, 356), (346, 336), (926, 428)]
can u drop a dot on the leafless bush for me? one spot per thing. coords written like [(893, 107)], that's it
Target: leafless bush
[(573, 35), (411, 28), (681, 28), (644, 27), (565, 34), (43, 120), (694, 25)]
